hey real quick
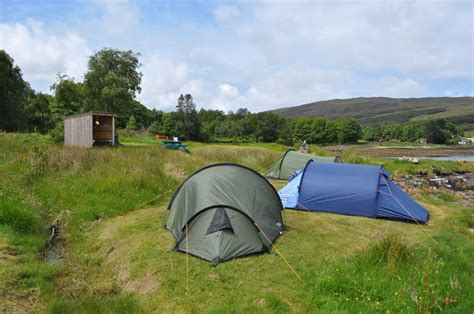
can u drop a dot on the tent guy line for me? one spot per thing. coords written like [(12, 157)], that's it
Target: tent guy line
[(401, 204)]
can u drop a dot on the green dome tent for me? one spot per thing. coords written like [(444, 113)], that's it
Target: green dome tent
[(292, 161), (225, 211)]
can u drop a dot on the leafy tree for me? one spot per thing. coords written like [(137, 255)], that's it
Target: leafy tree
[(247, 124), (169, 122), (132, 123), (241, 113), (348, 131), (155, 128), (228, 128), (301, 129), (435, 133), (112, 80), (331, 132), (210, 115), (268, 124), (69, 97), (38, 111), (13, 91), (142, 114)]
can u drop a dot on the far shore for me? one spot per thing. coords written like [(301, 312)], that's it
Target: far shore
[(412, 151)]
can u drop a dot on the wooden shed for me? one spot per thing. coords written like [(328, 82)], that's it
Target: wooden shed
[(90, 129)]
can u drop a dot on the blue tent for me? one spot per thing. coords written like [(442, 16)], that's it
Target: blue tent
[(348, 189)]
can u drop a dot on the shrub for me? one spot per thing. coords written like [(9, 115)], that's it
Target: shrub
[(57, 133)]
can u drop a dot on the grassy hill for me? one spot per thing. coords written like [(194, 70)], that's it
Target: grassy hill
[(375, 110), (115, 255)]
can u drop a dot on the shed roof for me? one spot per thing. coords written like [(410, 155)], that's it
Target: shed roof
[(92, 113)]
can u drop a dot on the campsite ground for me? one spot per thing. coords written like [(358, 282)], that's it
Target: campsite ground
[(115, 257)]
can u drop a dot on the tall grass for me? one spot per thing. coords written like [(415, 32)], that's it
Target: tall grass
[(17, 215), (390, 250), (95, 304)]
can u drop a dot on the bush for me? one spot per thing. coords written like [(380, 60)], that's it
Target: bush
[(57, 133)]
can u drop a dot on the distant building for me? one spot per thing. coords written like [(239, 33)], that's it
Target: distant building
[(423, 141), (90, 129), (466, 141)]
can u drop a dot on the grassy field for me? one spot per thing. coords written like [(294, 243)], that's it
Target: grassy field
[(117, 258)]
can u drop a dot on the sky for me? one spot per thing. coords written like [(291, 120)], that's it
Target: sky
[(260, 55)]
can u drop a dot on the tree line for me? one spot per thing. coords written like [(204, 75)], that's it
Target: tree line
[(243, 126), (439, 131), (112, 82)]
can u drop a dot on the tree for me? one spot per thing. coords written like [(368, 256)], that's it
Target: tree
[(68, 97), (13, 91), (132, 123), (155, 128), (192, 124), (434, 132), (241, 113), (268, 124), (348, 131), (187, 117), (168, 123), (112, 80), (38, 111), (142, 114)]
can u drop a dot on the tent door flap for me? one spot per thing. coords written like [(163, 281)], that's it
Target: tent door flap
[(220, 221)]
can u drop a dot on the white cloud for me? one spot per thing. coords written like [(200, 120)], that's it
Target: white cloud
[(41, 52), (119, 16), (226, 12), (162, 81), (227, 90), (265, 55), (227, 97)]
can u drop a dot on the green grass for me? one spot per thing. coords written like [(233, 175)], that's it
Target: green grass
[(118, 259), (139, 141)]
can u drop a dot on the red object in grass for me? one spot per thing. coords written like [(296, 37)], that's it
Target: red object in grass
[(162, 137), (449, 300)]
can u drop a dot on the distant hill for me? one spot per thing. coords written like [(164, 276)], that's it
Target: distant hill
[(378, 110)]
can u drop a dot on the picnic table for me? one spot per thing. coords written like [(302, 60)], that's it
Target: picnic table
[(175, 145)]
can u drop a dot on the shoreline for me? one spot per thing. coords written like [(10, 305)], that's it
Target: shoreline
[(411, 151)]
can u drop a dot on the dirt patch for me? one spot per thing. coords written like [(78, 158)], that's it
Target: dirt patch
[(173, 171), (7, 252), (21, 302), (143, 286), (260, 302)]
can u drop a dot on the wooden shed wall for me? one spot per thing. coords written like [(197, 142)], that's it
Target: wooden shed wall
[(78, 131)]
